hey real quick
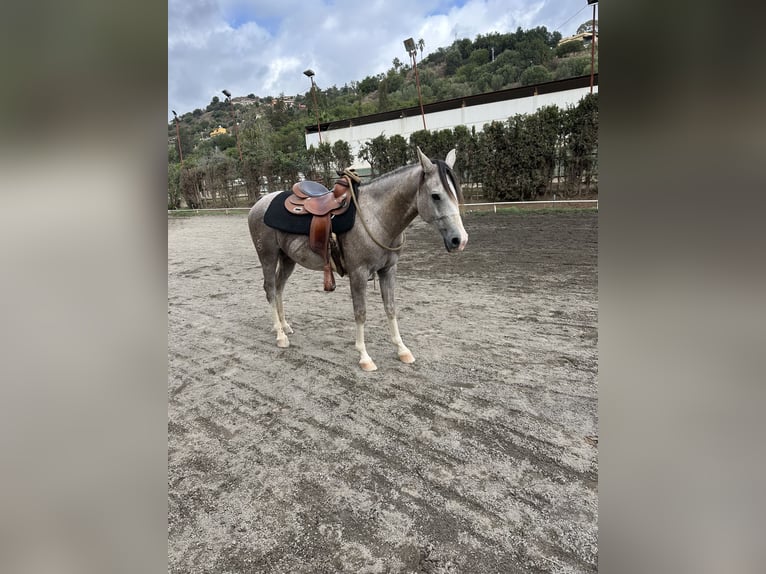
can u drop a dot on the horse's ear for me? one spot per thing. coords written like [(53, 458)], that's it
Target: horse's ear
[(450, 160), (428, 165)]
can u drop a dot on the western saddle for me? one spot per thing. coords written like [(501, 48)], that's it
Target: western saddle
[(314, 199)]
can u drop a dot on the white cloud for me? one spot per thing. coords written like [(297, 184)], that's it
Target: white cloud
[(263, 46)]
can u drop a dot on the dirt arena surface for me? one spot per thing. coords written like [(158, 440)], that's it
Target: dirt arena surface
[(480, 457)]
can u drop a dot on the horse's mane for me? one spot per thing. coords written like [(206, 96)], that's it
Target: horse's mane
[(384, 176), (445, 173)]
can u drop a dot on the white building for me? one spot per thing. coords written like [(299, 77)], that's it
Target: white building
[(469, 111)]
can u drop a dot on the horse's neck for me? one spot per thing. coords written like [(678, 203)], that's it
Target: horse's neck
[(392, 200)]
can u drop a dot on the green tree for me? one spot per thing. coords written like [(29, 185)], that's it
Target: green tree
[(466, 144), (325, 161), (256, 140), (586, 26), (454, 61), (278, 114), (570, 47), (368, 85), (191, 185), (537, 140), (572, 66), (535, 75), (394, 81), (397, 153), (375, 153), (174, 186), (464, 47), (341, 153), (383, 95), (580, 153), (546, 127), (422, 139), (225, 141), (187, 140), (215, 104), (218, 171), (479, 57), (495, 161)]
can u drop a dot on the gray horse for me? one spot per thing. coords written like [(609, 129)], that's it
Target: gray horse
[(385, 208)]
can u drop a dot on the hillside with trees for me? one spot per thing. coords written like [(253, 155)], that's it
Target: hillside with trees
[(261, 143)]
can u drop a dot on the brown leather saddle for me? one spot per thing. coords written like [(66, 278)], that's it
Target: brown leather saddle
[(313, 199)]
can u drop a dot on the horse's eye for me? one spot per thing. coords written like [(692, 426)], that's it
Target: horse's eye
[(436, 197)]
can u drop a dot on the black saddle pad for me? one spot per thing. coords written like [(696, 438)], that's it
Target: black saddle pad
[(278, 217)]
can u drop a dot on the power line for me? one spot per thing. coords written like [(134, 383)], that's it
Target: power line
[(558, 29)]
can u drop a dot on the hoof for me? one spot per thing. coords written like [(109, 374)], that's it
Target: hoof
[(407, 357), (283, 343), (288, 329), (368, 366)]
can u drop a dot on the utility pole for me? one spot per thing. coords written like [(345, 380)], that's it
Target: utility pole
[(310, 74), (234, 119), (409, 45), (592, 43), (178, 138)]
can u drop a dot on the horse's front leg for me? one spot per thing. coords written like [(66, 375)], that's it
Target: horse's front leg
[(358, 283), (387, 287)]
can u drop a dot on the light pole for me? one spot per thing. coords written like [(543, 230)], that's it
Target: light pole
[(310, 74), (234, 119), (409, 45), (178, 138), (592, 43)]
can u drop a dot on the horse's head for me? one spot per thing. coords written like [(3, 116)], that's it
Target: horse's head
[(439, 198)]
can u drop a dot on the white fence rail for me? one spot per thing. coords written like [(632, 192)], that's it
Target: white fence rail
[(226, 210), (466, 207)]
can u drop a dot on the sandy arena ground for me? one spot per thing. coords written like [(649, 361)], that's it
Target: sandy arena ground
[(480, 457)]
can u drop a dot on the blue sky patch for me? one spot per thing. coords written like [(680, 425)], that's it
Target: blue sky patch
[(238, 16)]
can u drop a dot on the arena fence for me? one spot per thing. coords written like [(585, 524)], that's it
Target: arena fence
[(465, 208), (551, 204), (226, 210)]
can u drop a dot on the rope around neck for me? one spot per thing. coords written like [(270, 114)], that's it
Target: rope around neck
[(351, 175)]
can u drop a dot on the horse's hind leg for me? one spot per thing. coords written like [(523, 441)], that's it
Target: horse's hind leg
[(284, 270), (269, 267), (275, 265), (387, 287), (276, 269)]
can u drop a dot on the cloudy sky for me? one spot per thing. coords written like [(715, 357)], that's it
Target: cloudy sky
[(263, 46)]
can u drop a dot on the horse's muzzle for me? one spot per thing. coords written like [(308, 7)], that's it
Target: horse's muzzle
[(456, 242)]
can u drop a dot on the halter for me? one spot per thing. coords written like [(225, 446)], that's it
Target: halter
[(446, 174)]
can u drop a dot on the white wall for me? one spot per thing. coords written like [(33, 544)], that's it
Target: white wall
[(468, 116)]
